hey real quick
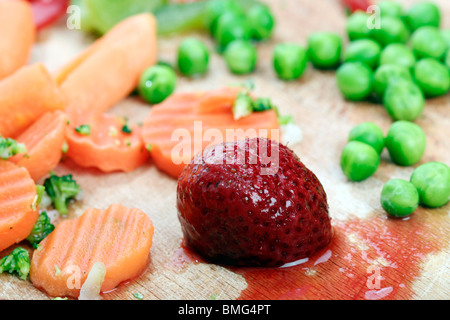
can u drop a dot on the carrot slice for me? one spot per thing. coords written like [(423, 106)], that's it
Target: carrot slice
[(15, 45), (106, 147), (25, 96), (118, 237), (17, 195), (186, 123), (44, 140), (109, 70)]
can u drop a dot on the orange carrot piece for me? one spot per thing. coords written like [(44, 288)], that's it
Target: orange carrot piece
[(25, 96), (44, 140), (118, 237), (109, 70), (17, 195), (178, 128), (107, 147), (17, 35)]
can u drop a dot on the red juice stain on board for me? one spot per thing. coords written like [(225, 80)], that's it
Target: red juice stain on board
[(182, 257), (374, 258)]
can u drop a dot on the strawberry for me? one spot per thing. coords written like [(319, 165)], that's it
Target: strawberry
[(252, 203)]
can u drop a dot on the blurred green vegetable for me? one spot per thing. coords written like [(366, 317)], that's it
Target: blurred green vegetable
[(98, 16)]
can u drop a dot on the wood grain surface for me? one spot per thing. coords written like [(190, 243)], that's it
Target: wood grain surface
[(412, 255)]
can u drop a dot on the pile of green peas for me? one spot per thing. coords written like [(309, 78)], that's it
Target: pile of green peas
[(405, 142), (400, 64), (405, 58)]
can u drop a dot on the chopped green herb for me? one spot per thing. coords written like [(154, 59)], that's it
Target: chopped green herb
[(17, 262), (213, 297), (149, 147), (65, 147), (84, 129), (10, 147), (42, 228), (286, 119), (57, 270), (138, 296), (262, 104), (126, 128), (59, 298), (243, 105)]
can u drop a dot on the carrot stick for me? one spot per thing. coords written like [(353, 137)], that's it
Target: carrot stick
[(17, 35), (120, 238), (17, 195), (44, 140), (108, 70), (25, 96)]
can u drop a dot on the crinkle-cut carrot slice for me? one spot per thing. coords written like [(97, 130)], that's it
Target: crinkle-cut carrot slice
[(44, 140), (118, 237), (25, 96), (106, 147), (186, 123), (17, 35), (109, 70), (17, 196)]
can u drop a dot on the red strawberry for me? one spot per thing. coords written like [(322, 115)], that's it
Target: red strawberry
[(232, 211)]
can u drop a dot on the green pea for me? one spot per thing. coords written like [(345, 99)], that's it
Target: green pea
[(399, 54), (399, 198), (215, 8), (422, 14), (368, 133), (390, 8), (261, 21), (432, 76), (404, 100), (231, 27), (289, 60), (432, 181), (354, 81), (241, 56), (193, 57), (428, 42), (324, 50), (447, 59), (445, 33), (386, 74), (356, 26), (365, 50), (359, 161), (392, 30), (405, 142), (157, 83)]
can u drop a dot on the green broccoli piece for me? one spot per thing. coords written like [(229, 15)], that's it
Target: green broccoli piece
[(41, 229), (61, 190), (17, 262), (10, 147), (84, 129)]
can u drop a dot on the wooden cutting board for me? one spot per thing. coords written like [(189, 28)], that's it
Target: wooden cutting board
[(371, 256)]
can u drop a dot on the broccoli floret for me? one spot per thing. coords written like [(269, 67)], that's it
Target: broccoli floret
[(17, 262), (41, 229), (61, 190), (10, 147)]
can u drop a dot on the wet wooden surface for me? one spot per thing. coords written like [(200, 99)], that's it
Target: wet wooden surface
[(412, 255)]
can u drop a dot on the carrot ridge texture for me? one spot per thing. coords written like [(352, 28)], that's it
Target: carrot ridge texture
[(118, 237), (17, 196)]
